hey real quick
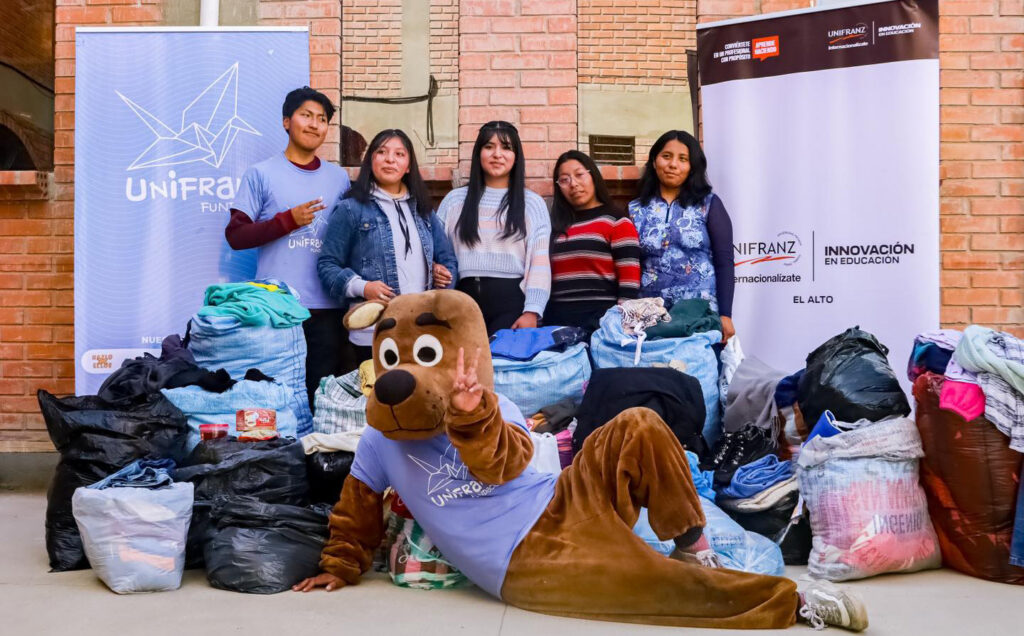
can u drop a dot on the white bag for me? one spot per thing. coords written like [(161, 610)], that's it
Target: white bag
[(134, 538), (545, 453), (868, 511), (732, 356)]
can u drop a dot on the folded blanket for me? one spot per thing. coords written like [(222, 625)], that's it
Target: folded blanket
[(254, 304)]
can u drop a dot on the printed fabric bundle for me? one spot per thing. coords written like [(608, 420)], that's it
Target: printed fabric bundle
[(412, 558)]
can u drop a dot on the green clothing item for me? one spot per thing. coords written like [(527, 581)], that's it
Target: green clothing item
[(254, 305), (688, 317)]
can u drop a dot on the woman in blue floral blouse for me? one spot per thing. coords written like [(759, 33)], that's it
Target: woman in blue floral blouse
[(685, 232)]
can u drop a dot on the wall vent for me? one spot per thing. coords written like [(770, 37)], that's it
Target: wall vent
[(613, 150)]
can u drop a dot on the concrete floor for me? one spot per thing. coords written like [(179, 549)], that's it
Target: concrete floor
[(35, 602)]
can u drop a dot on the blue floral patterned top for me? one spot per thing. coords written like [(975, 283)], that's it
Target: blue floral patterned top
[(677, 260)]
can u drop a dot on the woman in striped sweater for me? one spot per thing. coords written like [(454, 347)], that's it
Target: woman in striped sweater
[(500, 232), (595, 253)]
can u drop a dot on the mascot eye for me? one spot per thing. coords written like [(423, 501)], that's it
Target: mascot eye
[(388, 352), (427, 351)]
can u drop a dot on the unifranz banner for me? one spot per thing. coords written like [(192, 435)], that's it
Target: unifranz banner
[(821, 129), (166, 122)]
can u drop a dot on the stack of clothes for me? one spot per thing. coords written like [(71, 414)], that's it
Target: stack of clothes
[(979, 376)]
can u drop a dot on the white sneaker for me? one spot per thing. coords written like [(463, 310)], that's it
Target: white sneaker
[(827, 604)]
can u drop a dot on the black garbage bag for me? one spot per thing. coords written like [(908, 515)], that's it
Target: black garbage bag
[(96, 438), (850, 376), (672, 394), (327, 472), (262, 548), (774, 523), (273, 471)]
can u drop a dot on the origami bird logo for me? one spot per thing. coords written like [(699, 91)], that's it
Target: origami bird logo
[(448, 469), (209, 125)]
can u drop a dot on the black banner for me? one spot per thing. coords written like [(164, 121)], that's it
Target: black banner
[(819, 40)]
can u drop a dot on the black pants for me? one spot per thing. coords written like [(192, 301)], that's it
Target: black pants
[(584, 314), (500, 299), (354, 356), (326, 347)]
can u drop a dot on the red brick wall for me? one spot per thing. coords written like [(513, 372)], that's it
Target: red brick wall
[(26, 37), (323, 17), (36, 248), (518, 63), (635, 41), (371, 48)]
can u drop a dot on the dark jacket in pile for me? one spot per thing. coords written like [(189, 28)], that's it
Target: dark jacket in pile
[(673, 395)]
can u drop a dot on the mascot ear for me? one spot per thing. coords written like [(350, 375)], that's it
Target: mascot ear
[(363, 315)]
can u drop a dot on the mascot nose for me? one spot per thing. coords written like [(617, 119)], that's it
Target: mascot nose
[(394, 387)]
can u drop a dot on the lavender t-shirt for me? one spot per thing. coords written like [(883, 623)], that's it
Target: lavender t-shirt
[(475, 525), (276, 185)]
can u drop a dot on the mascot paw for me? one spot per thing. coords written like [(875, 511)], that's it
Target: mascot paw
[(364, 315)]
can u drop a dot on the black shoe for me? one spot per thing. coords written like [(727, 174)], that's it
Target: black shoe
[(751, 444), (723, 448)]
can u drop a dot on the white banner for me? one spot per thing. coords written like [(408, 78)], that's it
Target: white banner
[(821, 130)]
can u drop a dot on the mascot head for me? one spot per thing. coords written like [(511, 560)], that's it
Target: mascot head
[(416, 344)]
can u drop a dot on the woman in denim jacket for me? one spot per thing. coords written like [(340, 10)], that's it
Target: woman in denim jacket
[(383, 238), (685, 231)]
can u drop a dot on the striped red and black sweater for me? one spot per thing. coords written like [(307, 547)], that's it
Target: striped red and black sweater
[(597, 259)]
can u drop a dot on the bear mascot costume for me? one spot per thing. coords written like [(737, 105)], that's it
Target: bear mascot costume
[(560, 545)]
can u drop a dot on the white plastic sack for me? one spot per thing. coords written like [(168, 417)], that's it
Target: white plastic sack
[(610, 346), (732, 356), (549, 377), (545, 453), (737, 549), (868, 511), (134, 538), (740, 549)]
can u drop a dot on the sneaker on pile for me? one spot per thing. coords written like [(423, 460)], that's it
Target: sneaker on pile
[(827, 604)]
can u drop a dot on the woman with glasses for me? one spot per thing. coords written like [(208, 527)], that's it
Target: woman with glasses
[(595, 255), (685, 231), (500, 232)]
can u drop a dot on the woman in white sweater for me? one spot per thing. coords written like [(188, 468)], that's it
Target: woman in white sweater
[(500, 232)]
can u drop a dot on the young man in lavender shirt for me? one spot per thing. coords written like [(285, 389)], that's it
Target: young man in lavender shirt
[(282, 209)]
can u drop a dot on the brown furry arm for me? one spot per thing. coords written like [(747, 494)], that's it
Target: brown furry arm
[(357, 528), (494, 450)]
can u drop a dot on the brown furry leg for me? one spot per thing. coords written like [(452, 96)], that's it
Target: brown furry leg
[(582, 559)]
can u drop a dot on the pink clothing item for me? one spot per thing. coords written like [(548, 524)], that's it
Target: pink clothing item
[(963, 398)]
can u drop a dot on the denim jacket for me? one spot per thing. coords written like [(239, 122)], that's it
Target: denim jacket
[(358, 241)]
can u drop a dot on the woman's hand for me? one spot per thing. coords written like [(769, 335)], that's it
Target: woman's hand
[(728, 330), (466, 390), (325, 580), (378, 290), (442, 277), (527, 321)]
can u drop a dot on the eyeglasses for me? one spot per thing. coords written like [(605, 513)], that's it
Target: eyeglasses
[(567, 180)]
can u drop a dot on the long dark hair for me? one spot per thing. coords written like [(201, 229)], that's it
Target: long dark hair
[(561, 210), (694, 188), (513, 204), (362, 189)]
